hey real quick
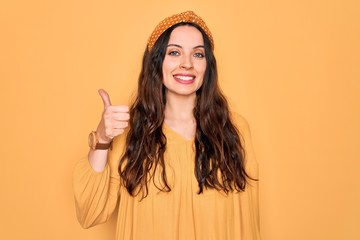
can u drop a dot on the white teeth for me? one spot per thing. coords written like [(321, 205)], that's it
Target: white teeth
[(185, 78)]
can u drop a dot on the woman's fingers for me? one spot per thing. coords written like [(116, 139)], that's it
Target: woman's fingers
[(114, 118), (105, 98), (118, 116)]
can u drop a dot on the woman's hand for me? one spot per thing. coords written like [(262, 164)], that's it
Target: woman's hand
[(114, 119)]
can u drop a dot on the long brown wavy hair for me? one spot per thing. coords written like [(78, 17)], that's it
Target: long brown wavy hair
[(218, 148)]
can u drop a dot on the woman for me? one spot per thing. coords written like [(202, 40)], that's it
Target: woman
[(184, 169)]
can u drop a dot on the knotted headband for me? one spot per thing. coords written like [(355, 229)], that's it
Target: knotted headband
[(186, 17)]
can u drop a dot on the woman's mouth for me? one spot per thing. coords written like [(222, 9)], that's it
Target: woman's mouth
[(184, 78)]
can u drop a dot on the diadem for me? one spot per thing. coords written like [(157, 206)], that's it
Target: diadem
[(186, 17)]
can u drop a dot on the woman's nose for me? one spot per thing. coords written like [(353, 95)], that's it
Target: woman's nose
[(186, 62)]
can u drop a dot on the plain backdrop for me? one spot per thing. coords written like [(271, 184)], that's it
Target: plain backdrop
[(291, 68)]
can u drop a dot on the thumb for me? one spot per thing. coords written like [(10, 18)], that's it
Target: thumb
[(105, 98)]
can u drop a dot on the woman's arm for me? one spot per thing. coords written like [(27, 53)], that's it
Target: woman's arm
[(113, 122), (249, 198), (96, 180)]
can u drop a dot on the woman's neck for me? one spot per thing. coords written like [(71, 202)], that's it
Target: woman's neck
[(179, 115), (179, 108)]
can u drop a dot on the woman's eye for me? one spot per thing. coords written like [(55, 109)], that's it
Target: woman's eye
[(174, 53), (199, 55)]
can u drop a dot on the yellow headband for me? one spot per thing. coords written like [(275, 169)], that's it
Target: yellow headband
[(185, 17)]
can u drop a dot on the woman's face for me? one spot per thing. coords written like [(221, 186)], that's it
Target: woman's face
[(184, 64)]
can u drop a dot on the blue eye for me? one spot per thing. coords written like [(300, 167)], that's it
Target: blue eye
[(174, 53), (199, 55)]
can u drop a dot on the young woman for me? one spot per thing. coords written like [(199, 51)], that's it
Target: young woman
[(179, 163)]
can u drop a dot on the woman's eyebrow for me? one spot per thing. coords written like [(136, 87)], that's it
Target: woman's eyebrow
[(177, 45), (199, 46), (174, 45)]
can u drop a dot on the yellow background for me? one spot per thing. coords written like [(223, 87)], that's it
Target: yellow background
[(292, 68)]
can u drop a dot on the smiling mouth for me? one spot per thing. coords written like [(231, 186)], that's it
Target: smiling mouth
[(184, 79)]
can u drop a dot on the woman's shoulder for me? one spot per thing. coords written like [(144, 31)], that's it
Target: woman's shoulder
[(240, 122), (118, 148), (245, 137), (120, 139)]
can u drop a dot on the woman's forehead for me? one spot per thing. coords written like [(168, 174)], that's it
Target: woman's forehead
[(186, 35)]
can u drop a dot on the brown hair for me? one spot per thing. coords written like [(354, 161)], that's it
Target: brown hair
[(218, 148)]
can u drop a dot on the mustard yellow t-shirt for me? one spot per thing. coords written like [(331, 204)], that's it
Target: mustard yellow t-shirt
[(182, 213)]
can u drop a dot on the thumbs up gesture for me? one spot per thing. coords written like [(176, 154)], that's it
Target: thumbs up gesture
[(114, 119)]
